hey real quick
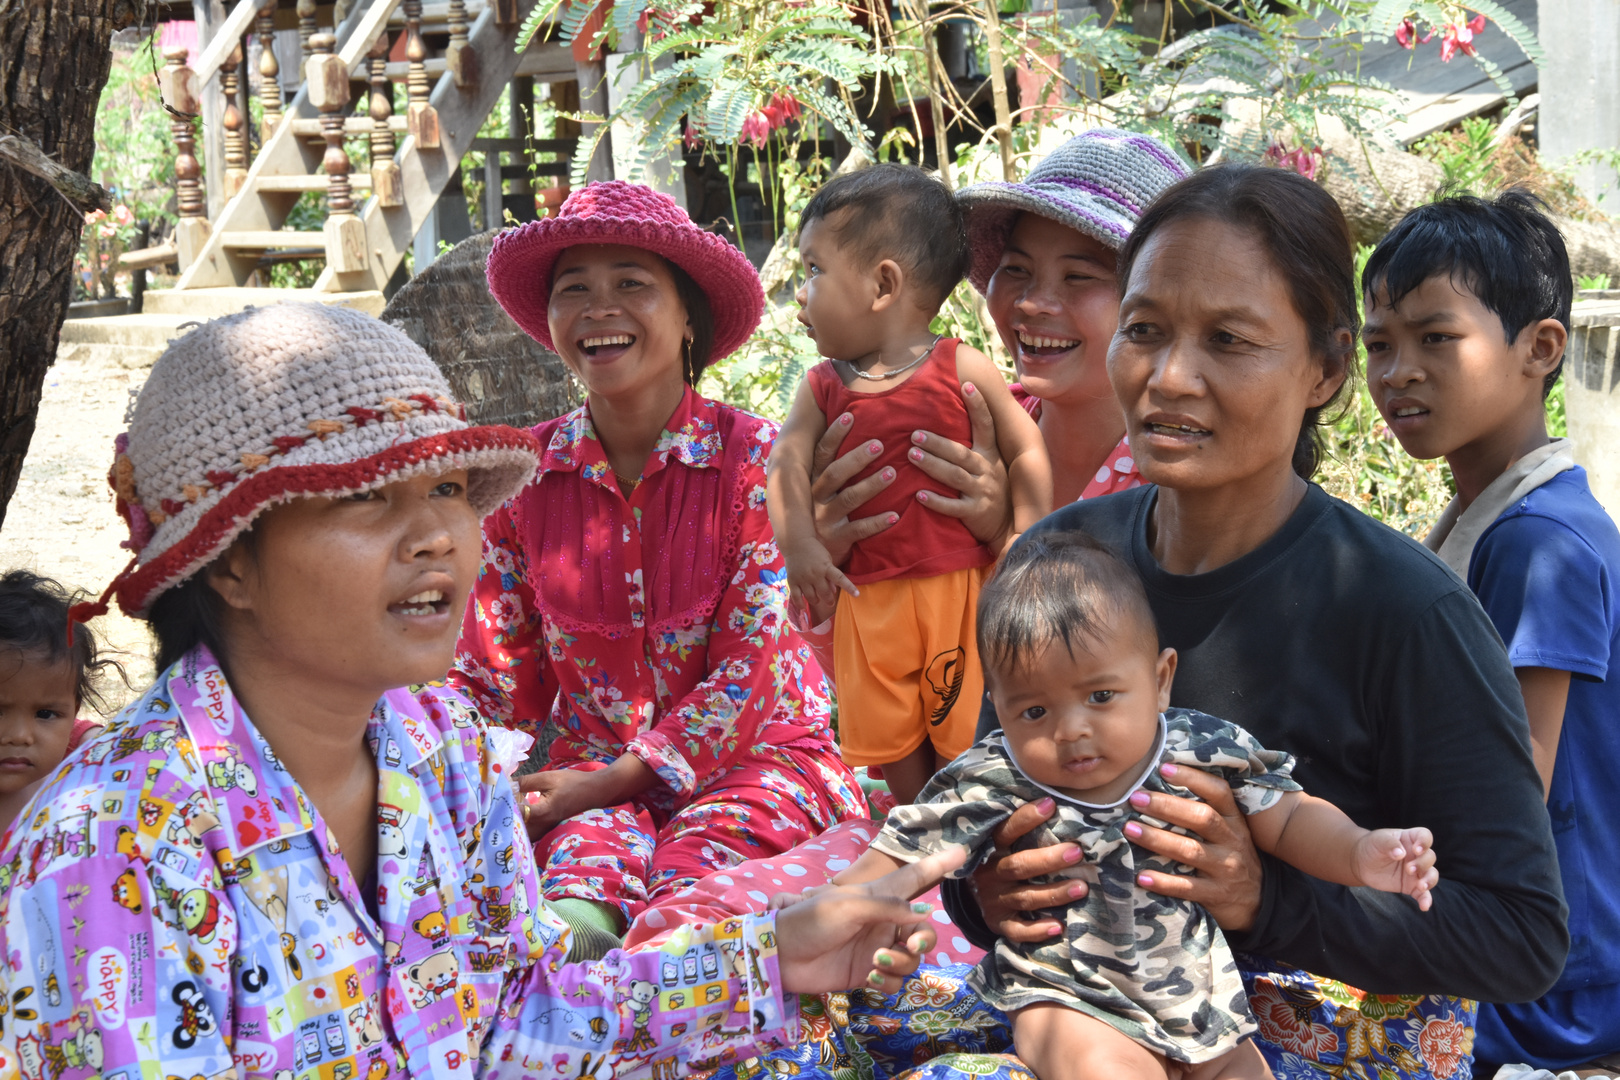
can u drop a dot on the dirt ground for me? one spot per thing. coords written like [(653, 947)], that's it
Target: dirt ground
[(61, 521)]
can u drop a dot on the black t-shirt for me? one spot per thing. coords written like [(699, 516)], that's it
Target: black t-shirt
[(1356, 650)]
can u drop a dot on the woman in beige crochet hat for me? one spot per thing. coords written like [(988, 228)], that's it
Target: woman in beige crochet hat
[(632, 595), (292, 858)]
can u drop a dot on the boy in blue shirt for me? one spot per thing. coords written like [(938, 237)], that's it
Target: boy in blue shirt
[(1468, 305)]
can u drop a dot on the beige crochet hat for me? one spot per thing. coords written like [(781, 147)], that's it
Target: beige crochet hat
[(280, 403)]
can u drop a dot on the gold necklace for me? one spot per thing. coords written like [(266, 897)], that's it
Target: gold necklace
[(623, 479), (859, 374)]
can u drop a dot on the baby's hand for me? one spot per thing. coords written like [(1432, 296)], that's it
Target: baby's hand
[(813, 578), (1398, 860)]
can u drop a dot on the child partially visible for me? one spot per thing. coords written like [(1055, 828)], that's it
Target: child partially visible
[(44, 683), (1140, 984), (1468, 309), (882, 249)]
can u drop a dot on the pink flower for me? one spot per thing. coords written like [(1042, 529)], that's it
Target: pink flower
[(756, 129), (1477, 24), (1405, 34), (124, 216), (1443, 1044), (1460, 38), (691, 139), (94, 216), (788, 104)]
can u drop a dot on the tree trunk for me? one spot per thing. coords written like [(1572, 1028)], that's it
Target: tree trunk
[(54, 59)]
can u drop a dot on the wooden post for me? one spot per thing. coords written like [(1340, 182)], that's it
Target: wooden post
[(235, 127), (306, 29), (998, 89), (386, 182), (506, 13), (459, 58), (327, 80), (420, 117), (179, 84), (936, 80), (269, 71)]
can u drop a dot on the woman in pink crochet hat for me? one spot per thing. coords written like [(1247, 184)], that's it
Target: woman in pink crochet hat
[(294, 855), (633, 593)]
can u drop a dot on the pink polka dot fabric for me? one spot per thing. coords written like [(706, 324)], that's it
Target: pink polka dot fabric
[(749, 886)]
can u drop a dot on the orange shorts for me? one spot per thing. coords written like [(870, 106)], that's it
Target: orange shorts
[(907, 666)]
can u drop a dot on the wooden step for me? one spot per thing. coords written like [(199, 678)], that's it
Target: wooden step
[(273, 239), (354, 125), (357, 180)]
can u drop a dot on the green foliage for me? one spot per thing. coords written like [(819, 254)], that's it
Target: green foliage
[(1592, 282), (709, 74), (134, 156), (1465, 155)]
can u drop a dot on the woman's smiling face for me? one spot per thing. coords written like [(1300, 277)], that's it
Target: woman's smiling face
[(1211, 361), (1055, 301), (616, 318)]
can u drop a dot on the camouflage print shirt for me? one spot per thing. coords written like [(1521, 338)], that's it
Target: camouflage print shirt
[(1156, 968)]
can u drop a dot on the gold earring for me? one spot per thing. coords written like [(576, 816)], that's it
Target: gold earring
[(686, 362)]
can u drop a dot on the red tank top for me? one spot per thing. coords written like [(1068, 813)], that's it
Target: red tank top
[(922, 543)]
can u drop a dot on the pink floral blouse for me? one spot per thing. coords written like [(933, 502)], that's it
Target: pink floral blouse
[(653, 624)]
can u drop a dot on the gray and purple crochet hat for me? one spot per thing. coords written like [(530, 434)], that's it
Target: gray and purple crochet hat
[(1098, 182)]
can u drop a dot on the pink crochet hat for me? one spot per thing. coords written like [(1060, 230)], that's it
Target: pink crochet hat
[(614, 212)]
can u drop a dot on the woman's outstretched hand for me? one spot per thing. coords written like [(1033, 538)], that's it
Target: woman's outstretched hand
[(976, 471), (843, 936), (1221, 850)]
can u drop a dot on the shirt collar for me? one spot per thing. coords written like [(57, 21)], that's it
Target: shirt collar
[(691, 436), (255, 796)]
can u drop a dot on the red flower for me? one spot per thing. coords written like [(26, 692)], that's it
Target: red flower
[(691, 139), (1289, 1025), (1477, 24), (787, 103), (1405, 33), (1443, 1044)]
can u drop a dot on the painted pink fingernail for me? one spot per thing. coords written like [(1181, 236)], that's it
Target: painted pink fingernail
[(1140, 798), (922, 496), (1055, 931), (1167, 770), (1046, 806), (1076, 892), (887, 474), (919, 437), (1073, 854), (1133, 830), (1145, 880), (969, 388), (915, 455), (874, 448), (846, 420)]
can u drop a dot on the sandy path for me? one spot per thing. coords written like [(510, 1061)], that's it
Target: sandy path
[(61, 521)]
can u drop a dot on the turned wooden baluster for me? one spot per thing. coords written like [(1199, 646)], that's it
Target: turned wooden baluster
[(306, 29), (179, 85), (235, 127), (420, 117), (459, 57), (328, 81), (269, 71), (506, 13), (386, 183)]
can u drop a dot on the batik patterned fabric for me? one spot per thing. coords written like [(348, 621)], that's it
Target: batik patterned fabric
[(1156, 968), (656, 626), (174, 899), (1312, 1027)]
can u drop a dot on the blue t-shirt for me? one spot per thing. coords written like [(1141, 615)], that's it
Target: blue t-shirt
[(1547, 572)]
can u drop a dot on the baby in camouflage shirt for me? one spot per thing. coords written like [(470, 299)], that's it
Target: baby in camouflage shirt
[(1139, 984)]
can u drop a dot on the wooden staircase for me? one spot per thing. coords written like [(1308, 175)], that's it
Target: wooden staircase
[(372, 217)]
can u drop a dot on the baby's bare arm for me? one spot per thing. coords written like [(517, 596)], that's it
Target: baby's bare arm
[(787, 495), (1317, 837), (1018, 438), (869, 867)]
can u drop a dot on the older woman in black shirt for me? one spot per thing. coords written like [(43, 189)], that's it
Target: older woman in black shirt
[(1325, 633)]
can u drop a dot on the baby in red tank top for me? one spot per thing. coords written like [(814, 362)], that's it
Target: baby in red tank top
[(882, 249)]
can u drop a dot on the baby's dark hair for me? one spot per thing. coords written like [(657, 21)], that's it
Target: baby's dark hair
[(1059, 586), (1503, 250), (34, 622), (897, 212)]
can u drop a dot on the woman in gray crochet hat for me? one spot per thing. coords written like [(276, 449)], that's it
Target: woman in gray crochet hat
[(290, 857)]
